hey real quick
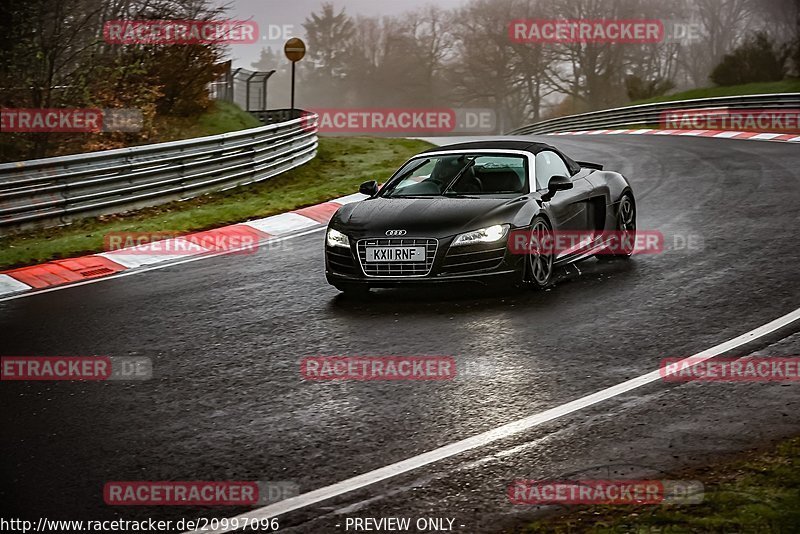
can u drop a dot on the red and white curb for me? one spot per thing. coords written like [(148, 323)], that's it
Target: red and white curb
[(719, 134), (69, 271)]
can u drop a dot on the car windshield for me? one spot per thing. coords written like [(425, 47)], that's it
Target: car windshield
[(460, 175)]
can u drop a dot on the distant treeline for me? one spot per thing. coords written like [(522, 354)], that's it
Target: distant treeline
[(466, 58)]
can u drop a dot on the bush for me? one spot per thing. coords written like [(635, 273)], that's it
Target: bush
[(795, 56), (757, 60), (639, 89)]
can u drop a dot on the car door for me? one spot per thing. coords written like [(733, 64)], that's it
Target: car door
[(568, 210)]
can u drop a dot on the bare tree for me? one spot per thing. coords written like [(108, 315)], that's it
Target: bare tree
[(724, 24)]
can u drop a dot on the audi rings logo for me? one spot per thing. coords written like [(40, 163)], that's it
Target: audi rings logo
[(395, 233)]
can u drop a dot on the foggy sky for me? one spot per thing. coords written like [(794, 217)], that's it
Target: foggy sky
[(294, 12)]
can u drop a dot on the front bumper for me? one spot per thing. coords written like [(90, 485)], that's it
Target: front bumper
[(485, 263)]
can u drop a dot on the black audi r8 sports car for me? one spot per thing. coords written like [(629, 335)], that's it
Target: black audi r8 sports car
[(501, 210)]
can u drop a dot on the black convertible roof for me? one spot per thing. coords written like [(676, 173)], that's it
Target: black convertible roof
[(509, 144), (501, 144)]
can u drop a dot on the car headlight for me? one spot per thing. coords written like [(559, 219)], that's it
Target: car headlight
[(337, 239), (484, 235)]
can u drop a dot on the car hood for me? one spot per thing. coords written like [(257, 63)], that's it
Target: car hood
[(424, 217)]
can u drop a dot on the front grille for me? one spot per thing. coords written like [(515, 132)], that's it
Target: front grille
[(397, 268), (340, 260)]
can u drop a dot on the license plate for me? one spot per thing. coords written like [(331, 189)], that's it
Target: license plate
[(379, 254)]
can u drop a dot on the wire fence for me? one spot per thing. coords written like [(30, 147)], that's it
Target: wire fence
[(246, 88)]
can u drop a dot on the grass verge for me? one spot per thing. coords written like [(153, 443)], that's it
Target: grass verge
[(342, 163), (221, 118), (759, 492)]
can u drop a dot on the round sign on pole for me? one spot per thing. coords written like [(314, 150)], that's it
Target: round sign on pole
[(295, 49)]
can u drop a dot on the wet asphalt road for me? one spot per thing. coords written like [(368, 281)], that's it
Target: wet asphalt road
[(225, 335)]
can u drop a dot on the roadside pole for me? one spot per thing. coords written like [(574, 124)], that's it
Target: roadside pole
[(295, 50)]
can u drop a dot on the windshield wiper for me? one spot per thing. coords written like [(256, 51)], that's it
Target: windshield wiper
[(458, 175)]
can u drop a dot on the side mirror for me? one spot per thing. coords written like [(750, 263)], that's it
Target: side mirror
[(557, 183), (370, 188)]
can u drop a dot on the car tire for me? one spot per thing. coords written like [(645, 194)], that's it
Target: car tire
[(540, 266), (626, 227)]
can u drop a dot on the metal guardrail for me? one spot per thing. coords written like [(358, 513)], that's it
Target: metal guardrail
[(644, 115), (54, 191)]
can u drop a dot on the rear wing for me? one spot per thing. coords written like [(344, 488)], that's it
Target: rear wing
[(590, 165)]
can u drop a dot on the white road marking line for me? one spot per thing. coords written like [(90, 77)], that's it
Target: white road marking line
[(727, 134), (349, 199), (9, 284), (159, 266), (282, 224), (515, 427)]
